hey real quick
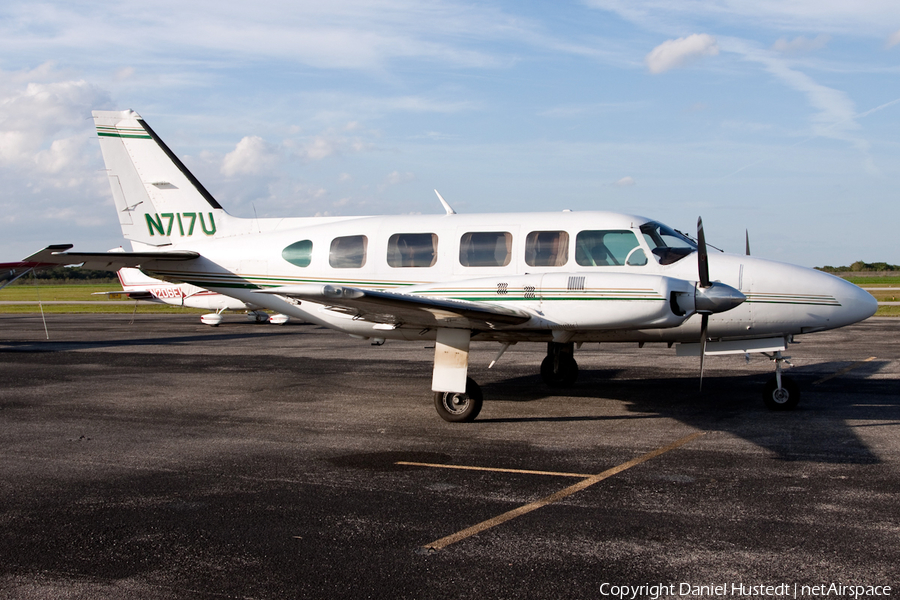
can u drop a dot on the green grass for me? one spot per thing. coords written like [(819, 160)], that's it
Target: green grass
[(77, 293), (888, 311), (56, 293), (875, 281), (59, 309), (886, 296)]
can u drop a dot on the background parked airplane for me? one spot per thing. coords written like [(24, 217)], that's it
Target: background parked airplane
[(139, 286), (562, 279)]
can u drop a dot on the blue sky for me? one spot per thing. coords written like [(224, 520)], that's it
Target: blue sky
[(780, 117)]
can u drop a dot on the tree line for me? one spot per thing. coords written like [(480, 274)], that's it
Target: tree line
[(860, 267), (68, 275)]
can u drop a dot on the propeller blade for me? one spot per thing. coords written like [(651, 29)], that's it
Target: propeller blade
[(702, 255), (704, 324), (747, 239)]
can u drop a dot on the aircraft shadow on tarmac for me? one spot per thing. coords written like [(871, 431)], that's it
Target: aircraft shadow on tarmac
[(822, 429), (819, 430)]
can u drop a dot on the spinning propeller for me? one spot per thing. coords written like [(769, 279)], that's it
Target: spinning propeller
[(710, 297)]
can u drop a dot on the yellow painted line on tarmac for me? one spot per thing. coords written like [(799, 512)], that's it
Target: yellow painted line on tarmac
[(522, 510), (493, 469), (855, 365)]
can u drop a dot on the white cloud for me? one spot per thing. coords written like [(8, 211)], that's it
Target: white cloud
[(123, 74), (251, 156), (894, 39), (568, 111), (351, 34), (625, 182), (328, 144), (50, 161), (866, 19), (672, 54), (835, 115), (45, 126), (801, 44), (396, 178)]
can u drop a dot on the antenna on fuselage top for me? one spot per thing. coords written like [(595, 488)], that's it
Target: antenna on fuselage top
[(447, 207)]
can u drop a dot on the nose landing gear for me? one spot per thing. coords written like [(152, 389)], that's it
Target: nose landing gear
[(780, 392)]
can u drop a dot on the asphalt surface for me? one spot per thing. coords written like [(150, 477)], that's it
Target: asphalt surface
[(167, 459)]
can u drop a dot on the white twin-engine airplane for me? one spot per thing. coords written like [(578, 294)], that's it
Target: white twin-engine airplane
[(561, 278), (138, 286)]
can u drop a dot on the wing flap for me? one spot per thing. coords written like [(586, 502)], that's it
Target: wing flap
[(394, 308)]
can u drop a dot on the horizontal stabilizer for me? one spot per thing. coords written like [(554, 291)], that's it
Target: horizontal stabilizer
[(9, 272), (130, 295), (56, 255), (399, 309)]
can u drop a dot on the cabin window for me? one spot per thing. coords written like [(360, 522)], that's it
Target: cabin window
[(485, 249), (348, 252), (298, 253), (547, 248), (607, 248), (412, 250)]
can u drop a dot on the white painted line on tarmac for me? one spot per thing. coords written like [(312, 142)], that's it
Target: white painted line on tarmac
[(494, 469)]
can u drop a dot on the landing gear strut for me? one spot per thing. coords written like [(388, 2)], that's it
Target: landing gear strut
[(559, 368), (459, 408), (780, 392)]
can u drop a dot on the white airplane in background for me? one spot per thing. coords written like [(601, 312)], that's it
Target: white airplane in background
[(561, 279), (138, 286)]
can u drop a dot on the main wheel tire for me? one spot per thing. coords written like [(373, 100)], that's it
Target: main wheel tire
[(564, 375), (784, 398), (460, 408)]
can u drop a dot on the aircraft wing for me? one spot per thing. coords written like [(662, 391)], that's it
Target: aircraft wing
[(395, 308)]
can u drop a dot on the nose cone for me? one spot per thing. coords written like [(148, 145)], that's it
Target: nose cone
[(856, 303), (791, 299)]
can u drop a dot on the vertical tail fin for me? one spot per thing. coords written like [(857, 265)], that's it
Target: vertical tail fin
[(157, 199)]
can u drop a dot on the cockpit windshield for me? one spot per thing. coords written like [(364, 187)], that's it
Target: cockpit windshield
[(668, 245)]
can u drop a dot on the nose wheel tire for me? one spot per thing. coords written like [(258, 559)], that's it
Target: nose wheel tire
[(784, 398), (459, 408)]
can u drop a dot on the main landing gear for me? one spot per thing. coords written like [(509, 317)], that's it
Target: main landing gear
[(559, 368), (460, 408)]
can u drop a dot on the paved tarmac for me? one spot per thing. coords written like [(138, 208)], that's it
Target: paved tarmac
[(166, 459)]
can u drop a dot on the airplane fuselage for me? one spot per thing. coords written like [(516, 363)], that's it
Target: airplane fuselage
[(548, 264)]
